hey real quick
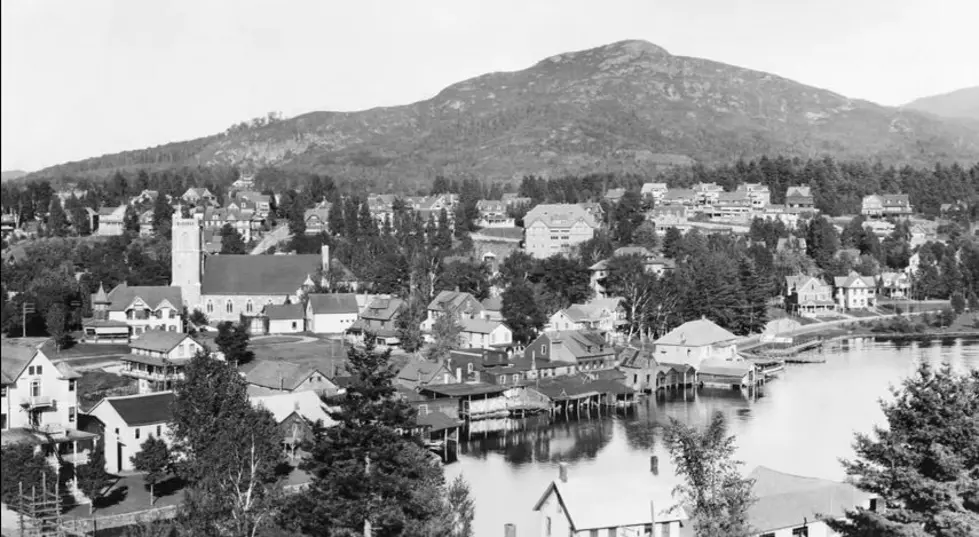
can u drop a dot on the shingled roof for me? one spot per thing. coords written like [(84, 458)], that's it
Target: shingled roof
[(696, 334), (15, 355), (284, 312), (279, 374), (336, 303), (258, 274), (158, 340), (786, 500), (153, 296), (146, 409)]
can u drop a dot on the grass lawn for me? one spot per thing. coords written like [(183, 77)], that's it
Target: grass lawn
[(862, 313), (82, 350), (322, 353), (96, 384)]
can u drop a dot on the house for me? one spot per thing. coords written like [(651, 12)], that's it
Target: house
[(418, 372), (157, 359), (579, 506), (556, 228), (656, 264), (716, 373), (602, 315), (593, 208), (491, 209), (855, 291), (695, 341), (493, 308), (108, 221), (644, 373), (331, 313), (799, 197), (270, 377), (199, 196), (141, 308), (894, 284), (515, 200), (482, 333), (262, 203), (666, 216), (146, 224), (680, 196), (458, 304), (585, 349), (788, 505), (295, 415), (380, 319), (707, 194), (808, 295), (146, 197), (614, 195), (780, 213), (884, 205), (653, 192), (284, 318), (127, 421), (758, 193), (735, 206), (317, 219), (37, 392)]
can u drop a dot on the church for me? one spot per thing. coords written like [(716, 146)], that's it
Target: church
[(225, 286)]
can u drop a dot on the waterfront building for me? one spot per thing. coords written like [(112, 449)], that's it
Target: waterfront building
[(583, 349), (855, 291), (695, 341)]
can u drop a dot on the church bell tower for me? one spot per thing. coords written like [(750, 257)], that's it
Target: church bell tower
[(186, 260)]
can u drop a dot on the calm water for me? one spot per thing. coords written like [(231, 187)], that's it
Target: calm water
[(801, 423)]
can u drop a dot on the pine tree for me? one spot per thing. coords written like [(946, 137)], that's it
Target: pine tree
[(671, 243), (521, 312), (232, 241), (57, 220), (447, 332), (92, 477), (153, 459), (162, 216), (755, 292)]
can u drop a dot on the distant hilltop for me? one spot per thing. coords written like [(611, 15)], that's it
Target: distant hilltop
[(963, 103), (629, 106), (11, 174)]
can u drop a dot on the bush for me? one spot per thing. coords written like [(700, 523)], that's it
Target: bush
[(958, 302), (21, 465)]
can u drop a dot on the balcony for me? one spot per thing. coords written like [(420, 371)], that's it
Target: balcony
[(154, 376), (39, 401)]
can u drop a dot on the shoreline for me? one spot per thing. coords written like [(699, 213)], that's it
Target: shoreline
[(791, 354)]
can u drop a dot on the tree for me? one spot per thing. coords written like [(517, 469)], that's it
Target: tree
[(20, 465), (462, 508), (627, 216), (130, 221), (153, 459), (671, 242), (408, 325), (958, 302), (466, 276), (446, 331), (198, 317), (226, 449), (755, 291), (712, 486), (54, 320), (365, 472), (627, 278), (924, 464), (57, 219), (645, 236), (232, 241), (91, 477), (162, 215), (232, 341), (822, 241), (521, 312)]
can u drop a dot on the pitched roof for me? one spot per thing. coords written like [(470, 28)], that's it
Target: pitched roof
[(437, 421), (258, 274), (450, 301), (785, 500), (580, 344), (853, 278), (284, 312), (725, 368), (143, 409), (15, 355), (333, 303), (307, 404), (798, 191), (154, 296), (158, 340), (279, 374), (420, 370), (479, 326), (382, 309), (697, 333), (559, 215)]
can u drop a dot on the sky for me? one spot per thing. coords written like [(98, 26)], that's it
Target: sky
[(81, 79)]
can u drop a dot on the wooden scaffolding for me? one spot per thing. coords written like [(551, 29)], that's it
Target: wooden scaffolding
[(40, 511)]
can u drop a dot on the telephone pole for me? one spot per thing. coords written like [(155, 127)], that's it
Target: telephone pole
[(27, 307)]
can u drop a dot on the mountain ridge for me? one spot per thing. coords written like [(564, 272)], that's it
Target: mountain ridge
[(629, 106), (961, 103)]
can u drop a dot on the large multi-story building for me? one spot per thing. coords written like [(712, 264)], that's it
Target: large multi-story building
[(157, 359), (141, 308), (882, 205), (799, 197), (556, 228), (855, 291)]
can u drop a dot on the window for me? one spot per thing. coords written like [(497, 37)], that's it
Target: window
[(35, 388), (3, 391), (543, 350), (229, 306), (547, 526), (873, 504), (71, 385), (3, 422), (423, 410), (516, 378), (210, 306), (293, 325), (37, 370), (800, 532), (249, 307), (137, 433), (666, 530), (71, 414), (769, 534), (469, 367), (117, 431), (30, 370)]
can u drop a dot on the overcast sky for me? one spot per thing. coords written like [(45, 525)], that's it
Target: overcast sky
[(84, 78)]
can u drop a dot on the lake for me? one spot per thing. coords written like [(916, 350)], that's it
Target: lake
[(802, 423)]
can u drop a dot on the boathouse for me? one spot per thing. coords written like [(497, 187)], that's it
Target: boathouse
[(644, 373), (695, 341), (728, 374), (580, 393)]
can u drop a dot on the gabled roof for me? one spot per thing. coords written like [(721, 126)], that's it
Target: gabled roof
[(144, 409), (306, 404), (559, 215), (159, 340), (451, 301), (421, 371), (382, 309), (851, 279), (284, 312), (154, 296), (15, 354), (258, 274), (697, 333), (578, 344), (798, 191), (279, 374), (333, 303), (679, 194), (479, 326), (785, 500), (652, 187), (802, 280)]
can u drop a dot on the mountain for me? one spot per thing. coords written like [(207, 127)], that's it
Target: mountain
[(10, 175), (627, 106), (963, 103)]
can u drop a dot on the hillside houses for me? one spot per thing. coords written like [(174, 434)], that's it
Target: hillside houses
[(799, 197), (378, 318), (886, 205), (458, 305), (855, 291), (808, 295), (556, 228)]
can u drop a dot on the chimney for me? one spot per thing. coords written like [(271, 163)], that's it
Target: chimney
[(325, 257), (509, 530), (562, 472), (654, 465)]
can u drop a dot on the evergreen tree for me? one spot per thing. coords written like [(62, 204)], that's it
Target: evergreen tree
[(162, 216), (408, 324), (466, 276), (628, 278), (671, 243), (130, 221), (153, 459), (717, 496), (91, 477), (627, 217), (755, 292), (521, 312), (924, 464), (822, 241), (57, 220), (21, 465), (232, 241), (232, 341), (443, 233), (55, 319), (446, 331), (645, 236)]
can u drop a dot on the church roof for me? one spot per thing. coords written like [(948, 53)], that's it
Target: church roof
[(257, 274)]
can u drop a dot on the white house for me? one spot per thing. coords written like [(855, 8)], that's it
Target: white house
[(855, 291), (36, 392), (285, 318), (141, 308), (157, 359), (633, 504), (331, 313), (695, 341), (483, 333), (128, 421)]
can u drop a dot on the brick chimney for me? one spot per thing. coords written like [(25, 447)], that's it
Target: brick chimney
[(562, 472), (325, 257)]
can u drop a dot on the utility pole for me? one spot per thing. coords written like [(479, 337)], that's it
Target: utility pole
[(27, 307)]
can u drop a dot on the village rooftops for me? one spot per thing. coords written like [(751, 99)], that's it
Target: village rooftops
[(463, 390), (157, 361), (579, 387), (323, 303), (479, 326), (437, 421), (726, 368), (124, 296), (284, 312), (420, 370), (382, 309), (697, 333), (158, 340), (450, 301), (144, 409), (559, 215), (786, 500), (851, 279), (280, 375), (263, 275), (16, 353), (306, 404)]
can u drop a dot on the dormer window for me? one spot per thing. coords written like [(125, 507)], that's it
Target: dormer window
[(543, 349)]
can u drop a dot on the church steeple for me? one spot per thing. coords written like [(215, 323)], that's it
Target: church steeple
[(100, 304)]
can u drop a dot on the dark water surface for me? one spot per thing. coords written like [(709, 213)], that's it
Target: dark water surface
[(801, 423)]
